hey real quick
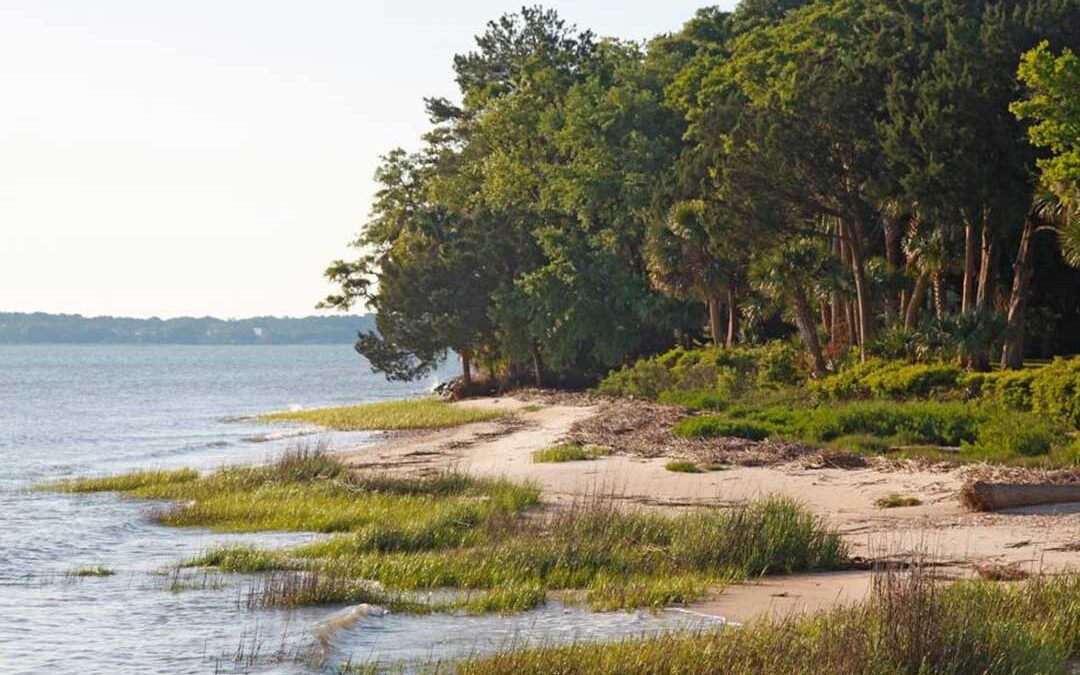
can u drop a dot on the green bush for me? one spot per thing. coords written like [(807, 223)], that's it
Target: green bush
[(889, 379), (1008, 434), (1004, 388), (727, 372), (1055, 390)]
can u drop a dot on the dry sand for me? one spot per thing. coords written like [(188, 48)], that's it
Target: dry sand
[(939, 531)]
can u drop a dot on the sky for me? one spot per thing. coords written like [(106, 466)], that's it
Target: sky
[(211, 157)]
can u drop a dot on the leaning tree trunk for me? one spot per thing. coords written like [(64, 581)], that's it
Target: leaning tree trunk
[(1012, 354), (715, 323), (732, 317), (918, 296), (804, 319), (987, 255)]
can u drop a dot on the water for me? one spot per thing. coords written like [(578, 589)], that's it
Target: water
[(86, 409)]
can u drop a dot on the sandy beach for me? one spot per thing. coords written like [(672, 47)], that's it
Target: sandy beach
[(940, 531)]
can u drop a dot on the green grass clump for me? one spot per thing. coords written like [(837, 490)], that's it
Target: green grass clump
[(421, 413), (909, 625), (682, 466), (137, 480), (94, 571), (1010, 434), (895, 500), (714, 426), (569, 452)]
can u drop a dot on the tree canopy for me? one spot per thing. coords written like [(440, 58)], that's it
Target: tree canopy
[(845, 171)]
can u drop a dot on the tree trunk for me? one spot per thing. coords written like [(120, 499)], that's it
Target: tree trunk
[(862, 292), (834, 319), (988, 252), (982, 496), (466, 366), (967, 296), (1012, 354), (918, 296), (804, 319), (732, 317), (538, 364), (714, 319), (939, 296), (893, 311)]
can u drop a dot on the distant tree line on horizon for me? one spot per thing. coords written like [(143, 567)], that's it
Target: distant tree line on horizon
[(39, 328), (860, 174)]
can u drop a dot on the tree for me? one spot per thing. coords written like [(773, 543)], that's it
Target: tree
[(786, 272)]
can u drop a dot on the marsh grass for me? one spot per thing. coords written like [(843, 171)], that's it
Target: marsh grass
[(910, 624), (420, 413), (569, 452), (124, 482), (395, 536)]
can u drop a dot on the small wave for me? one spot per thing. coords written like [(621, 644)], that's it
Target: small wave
[(344, 620), (279, 435), (233, 419)]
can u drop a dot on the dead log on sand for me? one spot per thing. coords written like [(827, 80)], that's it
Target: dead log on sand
[(983, 496)]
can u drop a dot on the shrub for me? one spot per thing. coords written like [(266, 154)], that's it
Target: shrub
[(1055, 390), (778, 364), (889, 379), (1007, 388), (728, 372)]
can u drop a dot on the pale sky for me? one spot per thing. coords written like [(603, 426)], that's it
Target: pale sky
[(193, 157)]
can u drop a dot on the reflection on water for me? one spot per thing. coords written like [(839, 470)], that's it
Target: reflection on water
[(81, 410)]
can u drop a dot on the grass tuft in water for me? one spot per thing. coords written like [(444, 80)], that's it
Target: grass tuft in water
[(420, 413), (124, 482)]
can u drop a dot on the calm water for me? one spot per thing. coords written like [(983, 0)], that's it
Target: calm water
[(81, 410)]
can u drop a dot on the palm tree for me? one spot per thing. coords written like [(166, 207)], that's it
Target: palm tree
[(787, 273), (686, 261)]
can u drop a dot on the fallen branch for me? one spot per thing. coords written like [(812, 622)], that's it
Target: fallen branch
[(983, 496)]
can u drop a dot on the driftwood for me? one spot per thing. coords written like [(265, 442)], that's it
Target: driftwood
[(982, 496)]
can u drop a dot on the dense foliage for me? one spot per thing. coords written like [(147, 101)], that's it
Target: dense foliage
[(857, 172)]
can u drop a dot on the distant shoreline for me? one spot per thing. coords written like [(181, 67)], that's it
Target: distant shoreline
[(41, 328)]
